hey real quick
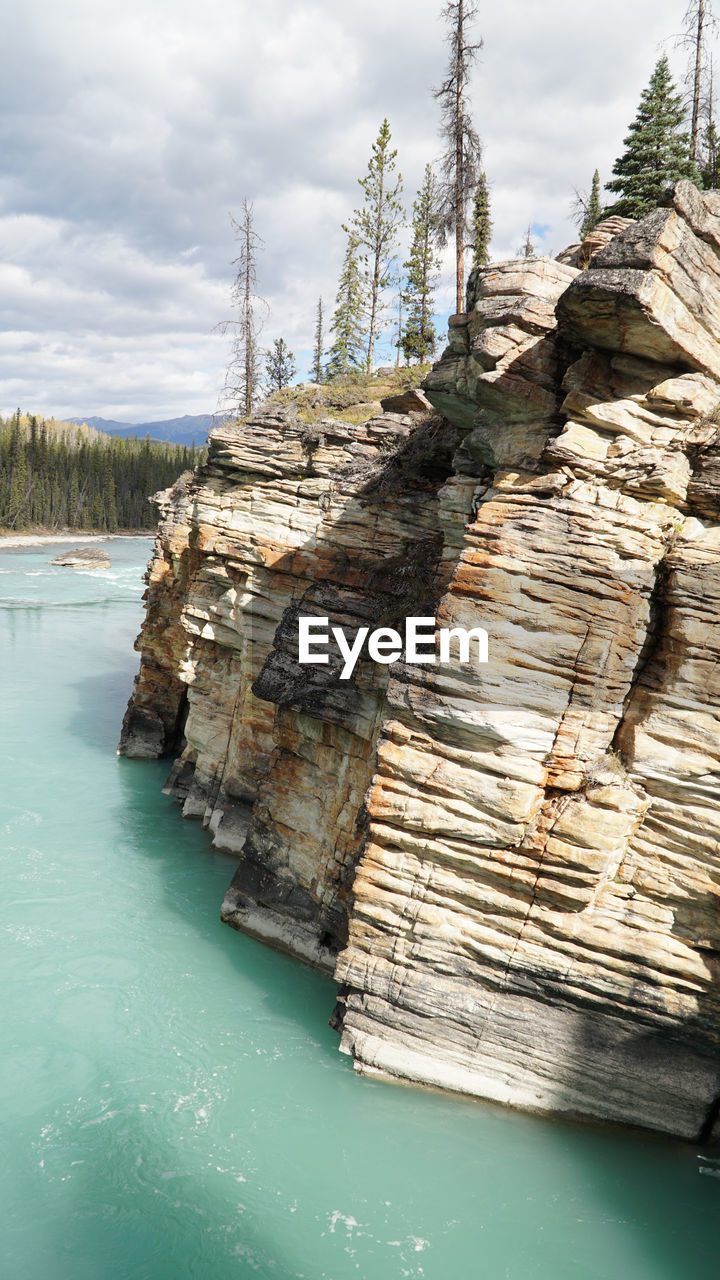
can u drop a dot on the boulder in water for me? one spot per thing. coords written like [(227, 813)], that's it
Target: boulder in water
[(84, 558)]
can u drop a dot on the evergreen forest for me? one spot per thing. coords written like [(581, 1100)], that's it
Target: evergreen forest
[(74, 478)]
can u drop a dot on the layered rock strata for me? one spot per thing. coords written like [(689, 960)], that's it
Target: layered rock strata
[(512, 869), (331, 520)]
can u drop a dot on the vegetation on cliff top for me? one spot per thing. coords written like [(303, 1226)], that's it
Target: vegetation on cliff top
[(351, 399), (672, 137)]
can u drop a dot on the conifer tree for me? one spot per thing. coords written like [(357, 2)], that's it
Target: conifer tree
[(710, 167), (110, 520), (592, 208), (657, 152), (279, 365), (460, 163), (481, 224), (419, 337), (348, 328), (709, 150), (18, 487), (242, 379), (73, 500), (316, 373), (375, 227), (67, 478)]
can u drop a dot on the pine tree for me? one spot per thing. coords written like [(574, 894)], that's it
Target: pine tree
[(591, 207), (346, 352), (375, 227), (108, 498), (400, 310), (316, 373), (242, 379), (460, 163), (481, 224), (279, 365), (419, 337), (657, 152)]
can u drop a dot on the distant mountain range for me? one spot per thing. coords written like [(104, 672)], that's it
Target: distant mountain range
[(190, 429)]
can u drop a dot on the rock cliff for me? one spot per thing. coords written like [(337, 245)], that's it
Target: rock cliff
[(513, 870)]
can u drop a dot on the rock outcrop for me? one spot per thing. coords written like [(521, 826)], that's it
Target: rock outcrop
[(83, 558), (581, 255), (513, 868)]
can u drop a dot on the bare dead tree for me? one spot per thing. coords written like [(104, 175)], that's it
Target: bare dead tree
[(698, 22), (462, 157), (242, 378)]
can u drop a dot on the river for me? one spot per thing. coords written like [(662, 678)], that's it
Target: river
[(174, 1106)]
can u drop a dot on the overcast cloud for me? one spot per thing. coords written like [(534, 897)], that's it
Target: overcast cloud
[(130, 132)]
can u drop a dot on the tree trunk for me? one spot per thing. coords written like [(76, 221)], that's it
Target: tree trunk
[(459, 170), (375, 290), (698, 78), (248, 321)]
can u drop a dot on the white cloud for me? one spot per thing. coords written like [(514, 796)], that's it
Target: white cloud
[(128, 132)]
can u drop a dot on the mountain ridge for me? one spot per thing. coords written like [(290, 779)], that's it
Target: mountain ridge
[(185, 429)]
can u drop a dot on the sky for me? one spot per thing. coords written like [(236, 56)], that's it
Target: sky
[(131, 131)]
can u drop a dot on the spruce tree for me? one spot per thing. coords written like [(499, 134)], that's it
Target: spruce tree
[(316, 373), (66, 477), (110, 520), (657, 152), (418, 336), (592, 208), (375, 227), (481, 224), (279, 365), (348, 328), (19, 483)]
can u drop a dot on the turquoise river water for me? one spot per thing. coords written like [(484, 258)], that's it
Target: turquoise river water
[(174, 1106)]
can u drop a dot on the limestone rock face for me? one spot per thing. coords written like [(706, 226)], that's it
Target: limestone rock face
[(511, 867)]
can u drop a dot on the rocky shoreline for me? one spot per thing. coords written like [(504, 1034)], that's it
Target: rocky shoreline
[(50, 539)]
